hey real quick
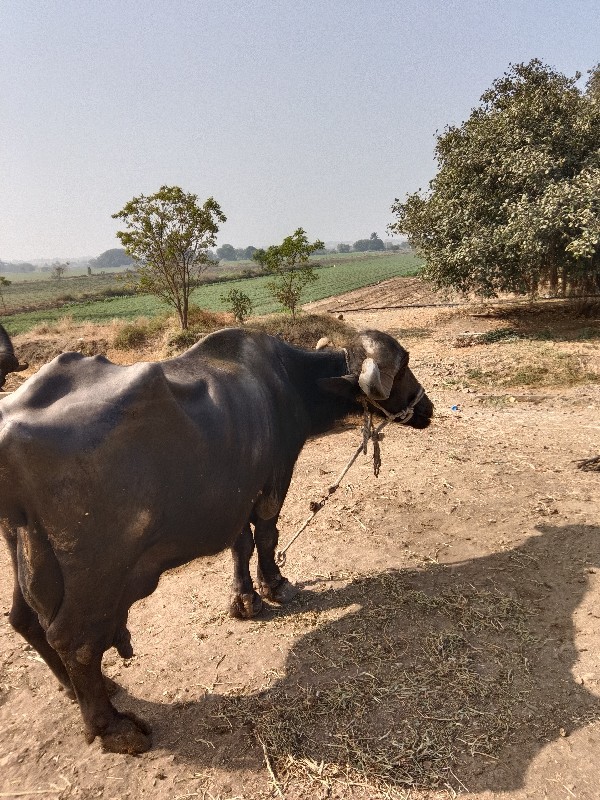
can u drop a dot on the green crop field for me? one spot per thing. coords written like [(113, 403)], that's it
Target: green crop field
[(331, 280), (38, 289), (335, 276)]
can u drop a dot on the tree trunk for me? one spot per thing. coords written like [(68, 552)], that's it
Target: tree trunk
[(184, 314)]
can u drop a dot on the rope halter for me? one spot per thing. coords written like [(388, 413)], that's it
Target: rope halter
[(403, 416)]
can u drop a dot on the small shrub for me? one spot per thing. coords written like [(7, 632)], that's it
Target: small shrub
[(500, 335), (139, 333), (240, 304), (184, 339)]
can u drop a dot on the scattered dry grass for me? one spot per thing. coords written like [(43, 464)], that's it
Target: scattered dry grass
[(67, 325), (511, 364), (387, 711), (547, 320), (304, 331), (203, 320)]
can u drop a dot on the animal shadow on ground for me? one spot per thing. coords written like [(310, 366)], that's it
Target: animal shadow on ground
[(447, 675)]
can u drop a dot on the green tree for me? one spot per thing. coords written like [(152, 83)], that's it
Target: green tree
[(376, 242), (372, 243), (58, 270), (115, 257), (593, 83), (515, 203), (168, 235), (290, 267), (343, 247), (227, 252)]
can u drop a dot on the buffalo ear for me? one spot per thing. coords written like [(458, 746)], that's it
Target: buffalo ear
[(346, 385)]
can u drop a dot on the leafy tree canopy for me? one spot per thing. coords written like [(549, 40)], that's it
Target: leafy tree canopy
[(169, 235), (115, 257), (372, 243), (227, 252), (290, 267), (515, 204)]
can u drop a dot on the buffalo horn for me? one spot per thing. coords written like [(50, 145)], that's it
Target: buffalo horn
[(369, 380)]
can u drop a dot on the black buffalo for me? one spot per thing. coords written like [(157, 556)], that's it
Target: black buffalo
[(109, 475), (8, 361)]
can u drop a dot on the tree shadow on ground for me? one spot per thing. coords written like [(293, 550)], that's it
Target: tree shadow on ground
[(557, 321), (449, 675)]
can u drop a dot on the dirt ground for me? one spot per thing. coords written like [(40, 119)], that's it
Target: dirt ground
[(446, 638)]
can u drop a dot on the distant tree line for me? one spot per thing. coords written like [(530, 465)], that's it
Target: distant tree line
[(118, 257), (372, 244), (21, 266), (110, 259), (228, 252)]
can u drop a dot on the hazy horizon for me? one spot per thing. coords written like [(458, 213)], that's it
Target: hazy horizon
[(289, 113), (87, 257)]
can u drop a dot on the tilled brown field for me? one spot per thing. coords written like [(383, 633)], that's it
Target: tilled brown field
[(446, 639)]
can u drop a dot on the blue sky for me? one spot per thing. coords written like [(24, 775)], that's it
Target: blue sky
[(299, 113)]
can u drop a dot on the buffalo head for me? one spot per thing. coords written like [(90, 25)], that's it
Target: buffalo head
[(378, 370)]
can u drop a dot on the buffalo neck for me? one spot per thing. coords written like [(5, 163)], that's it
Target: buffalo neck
[(305, 369)]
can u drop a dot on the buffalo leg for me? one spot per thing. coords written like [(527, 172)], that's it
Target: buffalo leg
[(271, 583), (80, 633), (244, 602), (25, 622), (120, 732)]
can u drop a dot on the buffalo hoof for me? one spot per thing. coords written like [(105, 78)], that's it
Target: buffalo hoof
[(282, 592), (122, 643), (127, 734), (245, 606)]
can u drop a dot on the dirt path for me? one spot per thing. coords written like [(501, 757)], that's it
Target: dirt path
[(447, 636)]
